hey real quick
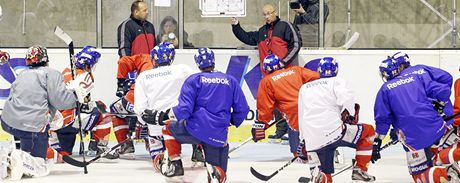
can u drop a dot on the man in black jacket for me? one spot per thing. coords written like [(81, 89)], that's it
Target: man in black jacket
[(275, 37), (307, 19), (136, 35)]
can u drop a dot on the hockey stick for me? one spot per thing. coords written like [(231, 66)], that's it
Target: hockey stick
[(68, 40), (351, 41), (71, 161), (266, 178), (250, 138)]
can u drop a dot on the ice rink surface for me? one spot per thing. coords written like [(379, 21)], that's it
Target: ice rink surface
[(264, 157)]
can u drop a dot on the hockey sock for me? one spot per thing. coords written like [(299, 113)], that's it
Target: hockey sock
[(364, 147), (173, 147), (102, 129), (448, 155), (120, 128), (432, 175)]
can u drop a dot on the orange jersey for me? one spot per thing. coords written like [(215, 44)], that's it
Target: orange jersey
[(68, 114), (138, 63), (280, 89), (457, 101)]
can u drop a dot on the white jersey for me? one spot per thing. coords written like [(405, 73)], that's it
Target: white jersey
[(320, 105), (159, 89)]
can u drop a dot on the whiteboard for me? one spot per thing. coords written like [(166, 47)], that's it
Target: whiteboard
[(222, 8)]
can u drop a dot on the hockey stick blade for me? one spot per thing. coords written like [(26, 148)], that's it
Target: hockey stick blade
[(62, 35), (266, 178), (351, 41), (353, 161), (71, 161)]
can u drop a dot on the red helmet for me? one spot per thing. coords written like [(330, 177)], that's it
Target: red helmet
[(36, 56), (4, 57)]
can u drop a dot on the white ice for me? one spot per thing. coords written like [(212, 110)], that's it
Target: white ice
[(263, 157)]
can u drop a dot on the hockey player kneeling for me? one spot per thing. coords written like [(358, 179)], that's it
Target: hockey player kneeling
[(280, 89), (156, 92), (36, 95), (405, 102), (322, 104), (209, 102), (63, 130)]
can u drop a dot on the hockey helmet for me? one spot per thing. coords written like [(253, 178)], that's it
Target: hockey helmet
[(389, 69), (163, 54), (87, 57), (36, 56), (272, 63), (204, 58), (328, 67), (401, 58)]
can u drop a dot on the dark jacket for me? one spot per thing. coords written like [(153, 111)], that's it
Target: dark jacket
[(311, 15), (280, 38), (135, 37)]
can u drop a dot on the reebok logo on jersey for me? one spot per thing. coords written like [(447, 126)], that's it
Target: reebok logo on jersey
[(161, 74), (283, 74), (420, 71), (317, 82), (224, 81), (400, 82)]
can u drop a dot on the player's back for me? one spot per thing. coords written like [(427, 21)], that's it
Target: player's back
[(409, 99), (161, 86)]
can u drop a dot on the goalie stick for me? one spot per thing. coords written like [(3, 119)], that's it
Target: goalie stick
[(71, 161), (68, 40)]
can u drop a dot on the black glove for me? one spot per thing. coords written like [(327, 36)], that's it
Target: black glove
[(120, 85), (394, 135), (150, 116), (376, 150), (439, 106)]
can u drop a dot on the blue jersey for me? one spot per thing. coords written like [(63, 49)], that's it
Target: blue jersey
[(405, 103), (209, 101), (437, 75)]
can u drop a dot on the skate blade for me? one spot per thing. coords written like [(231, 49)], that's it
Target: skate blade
[(128, 156), (274, 141), (105, 160), (197, 164), (175, 179), (284, 142)]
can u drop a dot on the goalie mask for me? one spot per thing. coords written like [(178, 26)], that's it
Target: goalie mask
[(328, 67), (4, 57), (389, 69), (163, 54), (36, 56), (87, 58)]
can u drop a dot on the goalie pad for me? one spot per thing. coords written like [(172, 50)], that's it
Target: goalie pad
[(89, 119), (346, 115), (121, 106)]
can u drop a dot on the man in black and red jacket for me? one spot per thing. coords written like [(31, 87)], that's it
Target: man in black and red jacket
[(276, 37), (136, 35)]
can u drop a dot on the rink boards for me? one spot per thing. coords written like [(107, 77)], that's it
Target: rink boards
[(358, 67)]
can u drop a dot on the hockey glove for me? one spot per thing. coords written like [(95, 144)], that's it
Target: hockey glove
[(376, 150), (149, 116), (302, 153), (439, 106), (258, 130), (120, 87), (4, 57)]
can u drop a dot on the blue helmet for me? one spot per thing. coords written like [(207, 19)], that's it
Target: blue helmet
[(328, 67), (401, 58), (389, 69), (204, 58), (163, 53), (87, 57), (272, 63)]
